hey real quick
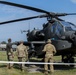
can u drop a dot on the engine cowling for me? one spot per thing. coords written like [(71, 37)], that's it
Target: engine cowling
[(35, 35)]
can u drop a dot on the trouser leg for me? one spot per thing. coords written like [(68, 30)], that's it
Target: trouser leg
[(23, 65), (20, 60), (10, 65), (46, 66), (51, 66), (11, 59)]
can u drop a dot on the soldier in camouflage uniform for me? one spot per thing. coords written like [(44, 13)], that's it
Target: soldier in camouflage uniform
[(22, 54), (50, 51), (9, 51)]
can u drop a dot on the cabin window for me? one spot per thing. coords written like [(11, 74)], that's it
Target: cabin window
[(68, 26)]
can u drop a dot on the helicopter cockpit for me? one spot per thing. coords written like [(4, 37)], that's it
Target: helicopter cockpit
[(59, 28), (68, 26)]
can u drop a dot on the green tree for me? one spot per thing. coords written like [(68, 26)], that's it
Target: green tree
[(3, 42)]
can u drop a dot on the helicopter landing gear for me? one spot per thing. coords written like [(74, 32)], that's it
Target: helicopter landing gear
[(68, 59)]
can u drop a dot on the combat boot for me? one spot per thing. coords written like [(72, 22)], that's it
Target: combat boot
[(51, 73), (8, 66), (46, 72), (23, 70)]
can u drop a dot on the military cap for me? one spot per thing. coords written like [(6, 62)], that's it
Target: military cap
[(21, 41), (48, 41)]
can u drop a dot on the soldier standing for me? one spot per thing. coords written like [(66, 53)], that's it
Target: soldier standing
[(50, 51), (9, 51), (22, 54)]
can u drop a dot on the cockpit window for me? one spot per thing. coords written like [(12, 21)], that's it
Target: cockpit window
[(57, 28), (68, 29), (68, 26)]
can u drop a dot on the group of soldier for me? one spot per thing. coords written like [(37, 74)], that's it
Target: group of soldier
[(22, 55)]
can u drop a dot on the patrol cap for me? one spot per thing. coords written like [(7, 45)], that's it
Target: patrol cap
[(48, 41), (21, 41)]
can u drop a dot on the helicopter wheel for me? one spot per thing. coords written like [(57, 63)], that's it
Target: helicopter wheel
[(68, 59)]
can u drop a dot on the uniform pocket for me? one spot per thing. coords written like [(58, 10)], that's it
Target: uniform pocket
[(49, 55)]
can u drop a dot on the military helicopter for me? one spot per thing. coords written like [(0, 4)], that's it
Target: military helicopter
[(61, 33)]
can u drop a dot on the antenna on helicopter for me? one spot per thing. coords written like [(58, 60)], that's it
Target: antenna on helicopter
[(29, 26), (23, 31)]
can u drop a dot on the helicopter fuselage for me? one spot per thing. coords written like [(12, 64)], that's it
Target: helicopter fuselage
[(63, 38)]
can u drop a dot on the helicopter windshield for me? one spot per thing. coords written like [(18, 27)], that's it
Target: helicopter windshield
[(68, 26), (57, 28)]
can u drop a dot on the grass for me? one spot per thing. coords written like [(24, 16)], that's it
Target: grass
[(59, 70)]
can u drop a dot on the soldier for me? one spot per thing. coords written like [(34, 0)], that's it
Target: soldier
[(50, 51), (9, 51), (22, 54)]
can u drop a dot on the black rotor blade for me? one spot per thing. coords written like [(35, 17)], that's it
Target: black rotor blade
[(24, 6), (63, 14), (22, 19), (59, 19), (70, 13), (36, 9)]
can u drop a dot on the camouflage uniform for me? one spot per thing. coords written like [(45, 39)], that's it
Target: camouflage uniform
[(22, 54), (49, 49), (9, 51)]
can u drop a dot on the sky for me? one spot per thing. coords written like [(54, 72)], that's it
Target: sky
[(13, 30)]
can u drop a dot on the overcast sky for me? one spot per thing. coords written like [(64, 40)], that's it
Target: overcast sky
[(12, 30)]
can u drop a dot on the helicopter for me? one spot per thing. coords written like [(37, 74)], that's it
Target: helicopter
[(61, 33)]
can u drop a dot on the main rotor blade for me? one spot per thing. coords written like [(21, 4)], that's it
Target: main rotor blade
[(63, 14), (36, 9), (24, 6), (70, 13), (22, 19)]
